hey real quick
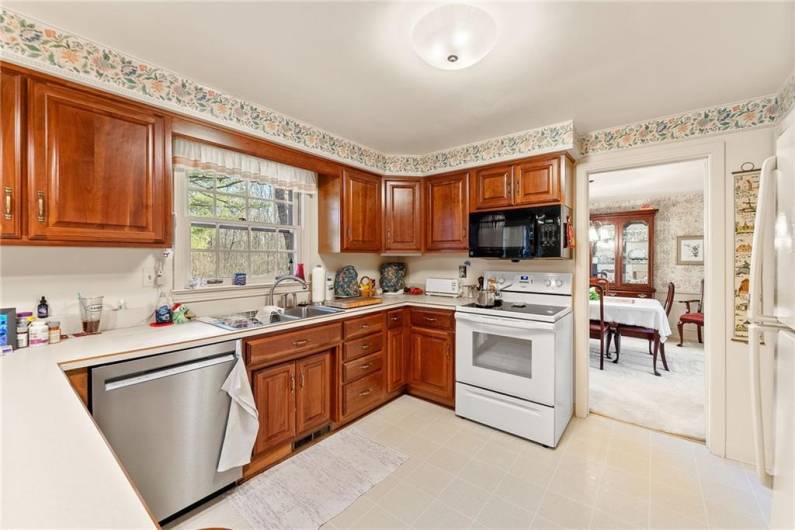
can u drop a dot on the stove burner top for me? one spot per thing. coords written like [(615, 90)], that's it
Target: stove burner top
[(523, 308)]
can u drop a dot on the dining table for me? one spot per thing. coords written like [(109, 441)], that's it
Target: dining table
[(643, 312)]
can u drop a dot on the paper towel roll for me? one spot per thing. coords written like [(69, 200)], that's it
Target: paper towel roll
[(318, 284)]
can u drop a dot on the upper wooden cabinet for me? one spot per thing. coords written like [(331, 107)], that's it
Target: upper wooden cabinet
[(447, 216), (98, 170), (545, 179), (492, 187), (349, 212), (403, 225), (12, 88)]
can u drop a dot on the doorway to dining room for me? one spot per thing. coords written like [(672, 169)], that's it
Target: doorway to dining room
[(646, 242)]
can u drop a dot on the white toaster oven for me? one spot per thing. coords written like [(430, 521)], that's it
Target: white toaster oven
[(442, 287)]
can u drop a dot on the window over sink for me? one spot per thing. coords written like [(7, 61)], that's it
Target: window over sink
[(235, 213)]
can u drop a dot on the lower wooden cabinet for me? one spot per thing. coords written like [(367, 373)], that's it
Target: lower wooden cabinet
[(431, 374), (293, 400), (397, 341), (313, 398)]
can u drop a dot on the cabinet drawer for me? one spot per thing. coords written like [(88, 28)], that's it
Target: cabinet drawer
[(394, 319), (358, 368), (363, 394), (359, 327), (274, 348), (361, 347), (432, 319)]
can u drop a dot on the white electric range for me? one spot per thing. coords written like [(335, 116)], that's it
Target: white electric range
[(515, 362)]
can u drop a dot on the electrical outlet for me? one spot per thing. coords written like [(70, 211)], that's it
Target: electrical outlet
[(149, 277)]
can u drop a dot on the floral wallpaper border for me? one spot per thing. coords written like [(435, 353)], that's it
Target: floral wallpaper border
[(38, 45)]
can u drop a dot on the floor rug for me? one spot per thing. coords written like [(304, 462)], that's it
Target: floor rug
[(629, 391), (317, 484)]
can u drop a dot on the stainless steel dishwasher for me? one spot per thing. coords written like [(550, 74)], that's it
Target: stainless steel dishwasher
[(165, 417)]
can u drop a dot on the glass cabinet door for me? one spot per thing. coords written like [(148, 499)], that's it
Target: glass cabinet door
[(603, 254), (635, 253)]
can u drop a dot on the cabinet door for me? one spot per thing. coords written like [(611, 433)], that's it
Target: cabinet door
[(313, 400), (402, 215), (361, 218), (447, 214), (11, 93), (537, 182), (98, 171), (274, 393), (397, 360), (431, 366), (492, 187)]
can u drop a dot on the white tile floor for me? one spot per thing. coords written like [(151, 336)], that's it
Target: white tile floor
[(604, 474)]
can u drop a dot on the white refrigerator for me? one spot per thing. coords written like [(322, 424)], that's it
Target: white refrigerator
[(771, 315)]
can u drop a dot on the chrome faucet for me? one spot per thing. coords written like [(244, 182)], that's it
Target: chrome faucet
[(282, 278)]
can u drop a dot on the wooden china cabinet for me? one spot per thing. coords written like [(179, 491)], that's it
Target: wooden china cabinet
[(622, 251)]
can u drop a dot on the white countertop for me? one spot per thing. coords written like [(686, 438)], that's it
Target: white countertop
[(57, 469)]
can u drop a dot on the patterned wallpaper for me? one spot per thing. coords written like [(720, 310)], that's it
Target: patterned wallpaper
[(678, 215), (35, 44)]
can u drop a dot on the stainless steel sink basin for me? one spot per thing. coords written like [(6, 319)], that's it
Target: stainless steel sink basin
[(310, 311)]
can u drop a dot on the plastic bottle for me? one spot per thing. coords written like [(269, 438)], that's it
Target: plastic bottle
[(43, 311), (39, 333)]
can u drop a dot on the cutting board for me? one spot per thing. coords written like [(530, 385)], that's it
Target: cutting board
[(355, 301)]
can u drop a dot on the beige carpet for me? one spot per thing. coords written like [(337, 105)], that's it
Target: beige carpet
[(630, 392), (317, 484)]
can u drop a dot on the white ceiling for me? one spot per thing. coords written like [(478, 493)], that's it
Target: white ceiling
[(349, 67), (648, 181)]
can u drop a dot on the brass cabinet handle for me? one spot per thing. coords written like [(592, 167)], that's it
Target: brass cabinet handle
[(365, 392), (292, 383), (365, 366), (300, 342), (302, 379), (365, 326), (389, 235), (395, 319), (365, 347), (40, 204), (8, 202), (430, 319)]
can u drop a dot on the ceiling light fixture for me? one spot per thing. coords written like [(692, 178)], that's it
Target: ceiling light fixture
[(454, 36)]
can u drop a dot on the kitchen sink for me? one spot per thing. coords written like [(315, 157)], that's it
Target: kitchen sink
[(309, 311), (248, 320)]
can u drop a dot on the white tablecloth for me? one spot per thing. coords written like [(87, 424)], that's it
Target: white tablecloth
[(645, 312)]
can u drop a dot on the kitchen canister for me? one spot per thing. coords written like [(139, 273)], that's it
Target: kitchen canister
[(39, 333)]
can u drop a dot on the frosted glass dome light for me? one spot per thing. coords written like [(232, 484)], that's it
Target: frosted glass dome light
[(454, 36)]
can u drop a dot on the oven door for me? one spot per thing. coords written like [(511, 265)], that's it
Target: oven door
[(511, 356)]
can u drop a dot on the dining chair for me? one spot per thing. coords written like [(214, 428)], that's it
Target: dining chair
[(650, 334), (692, 317), (598, 328)]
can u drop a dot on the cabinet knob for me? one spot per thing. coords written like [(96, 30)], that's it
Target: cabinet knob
[(365, 347), (395, 319), (365, 326)]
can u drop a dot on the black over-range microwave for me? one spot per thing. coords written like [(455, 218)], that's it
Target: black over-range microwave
[(525, 233)]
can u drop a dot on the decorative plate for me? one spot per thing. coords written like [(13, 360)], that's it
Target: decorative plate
[(393, 277), (346, 282)]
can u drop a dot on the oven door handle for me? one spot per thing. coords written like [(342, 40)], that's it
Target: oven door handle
[(526, 325)]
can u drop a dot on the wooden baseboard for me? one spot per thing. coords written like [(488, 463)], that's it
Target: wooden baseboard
[(263, 461)]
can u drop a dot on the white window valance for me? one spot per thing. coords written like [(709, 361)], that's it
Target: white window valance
[(208, 157)]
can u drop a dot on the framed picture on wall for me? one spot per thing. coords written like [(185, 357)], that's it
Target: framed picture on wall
[(690, 250)]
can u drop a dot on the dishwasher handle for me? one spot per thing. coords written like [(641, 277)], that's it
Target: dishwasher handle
[(160, 373)]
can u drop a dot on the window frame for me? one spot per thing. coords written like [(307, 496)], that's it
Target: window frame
[(182, 234)]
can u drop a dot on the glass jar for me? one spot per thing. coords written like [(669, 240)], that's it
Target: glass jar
[(54, 331)]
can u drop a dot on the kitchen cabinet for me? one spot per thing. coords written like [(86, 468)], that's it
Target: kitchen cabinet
[(98, 169), (403, 225), (274, 394), (447, 215), (349, 212), (492, 187), (540, 180), (397, 342), (431, 372), (313, 398), (362, 381), (11, 144), (623, 254)]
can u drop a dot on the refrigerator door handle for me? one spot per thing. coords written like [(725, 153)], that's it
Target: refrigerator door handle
[(762, 227), (755, 333)]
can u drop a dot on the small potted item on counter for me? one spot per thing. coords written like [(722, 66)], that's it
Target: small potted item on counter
[(180, 314), (39, 333), (54, 331)]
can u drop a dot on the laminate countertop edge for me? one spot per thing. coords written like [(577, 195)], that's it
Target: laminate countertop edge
[(57, 469)]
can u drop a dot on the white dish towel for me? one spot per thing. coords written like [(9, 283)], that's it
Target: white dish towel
[(243, 422)]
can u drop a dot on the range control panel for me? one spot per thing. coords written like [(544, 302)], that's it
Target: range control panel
[(532, 282)]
